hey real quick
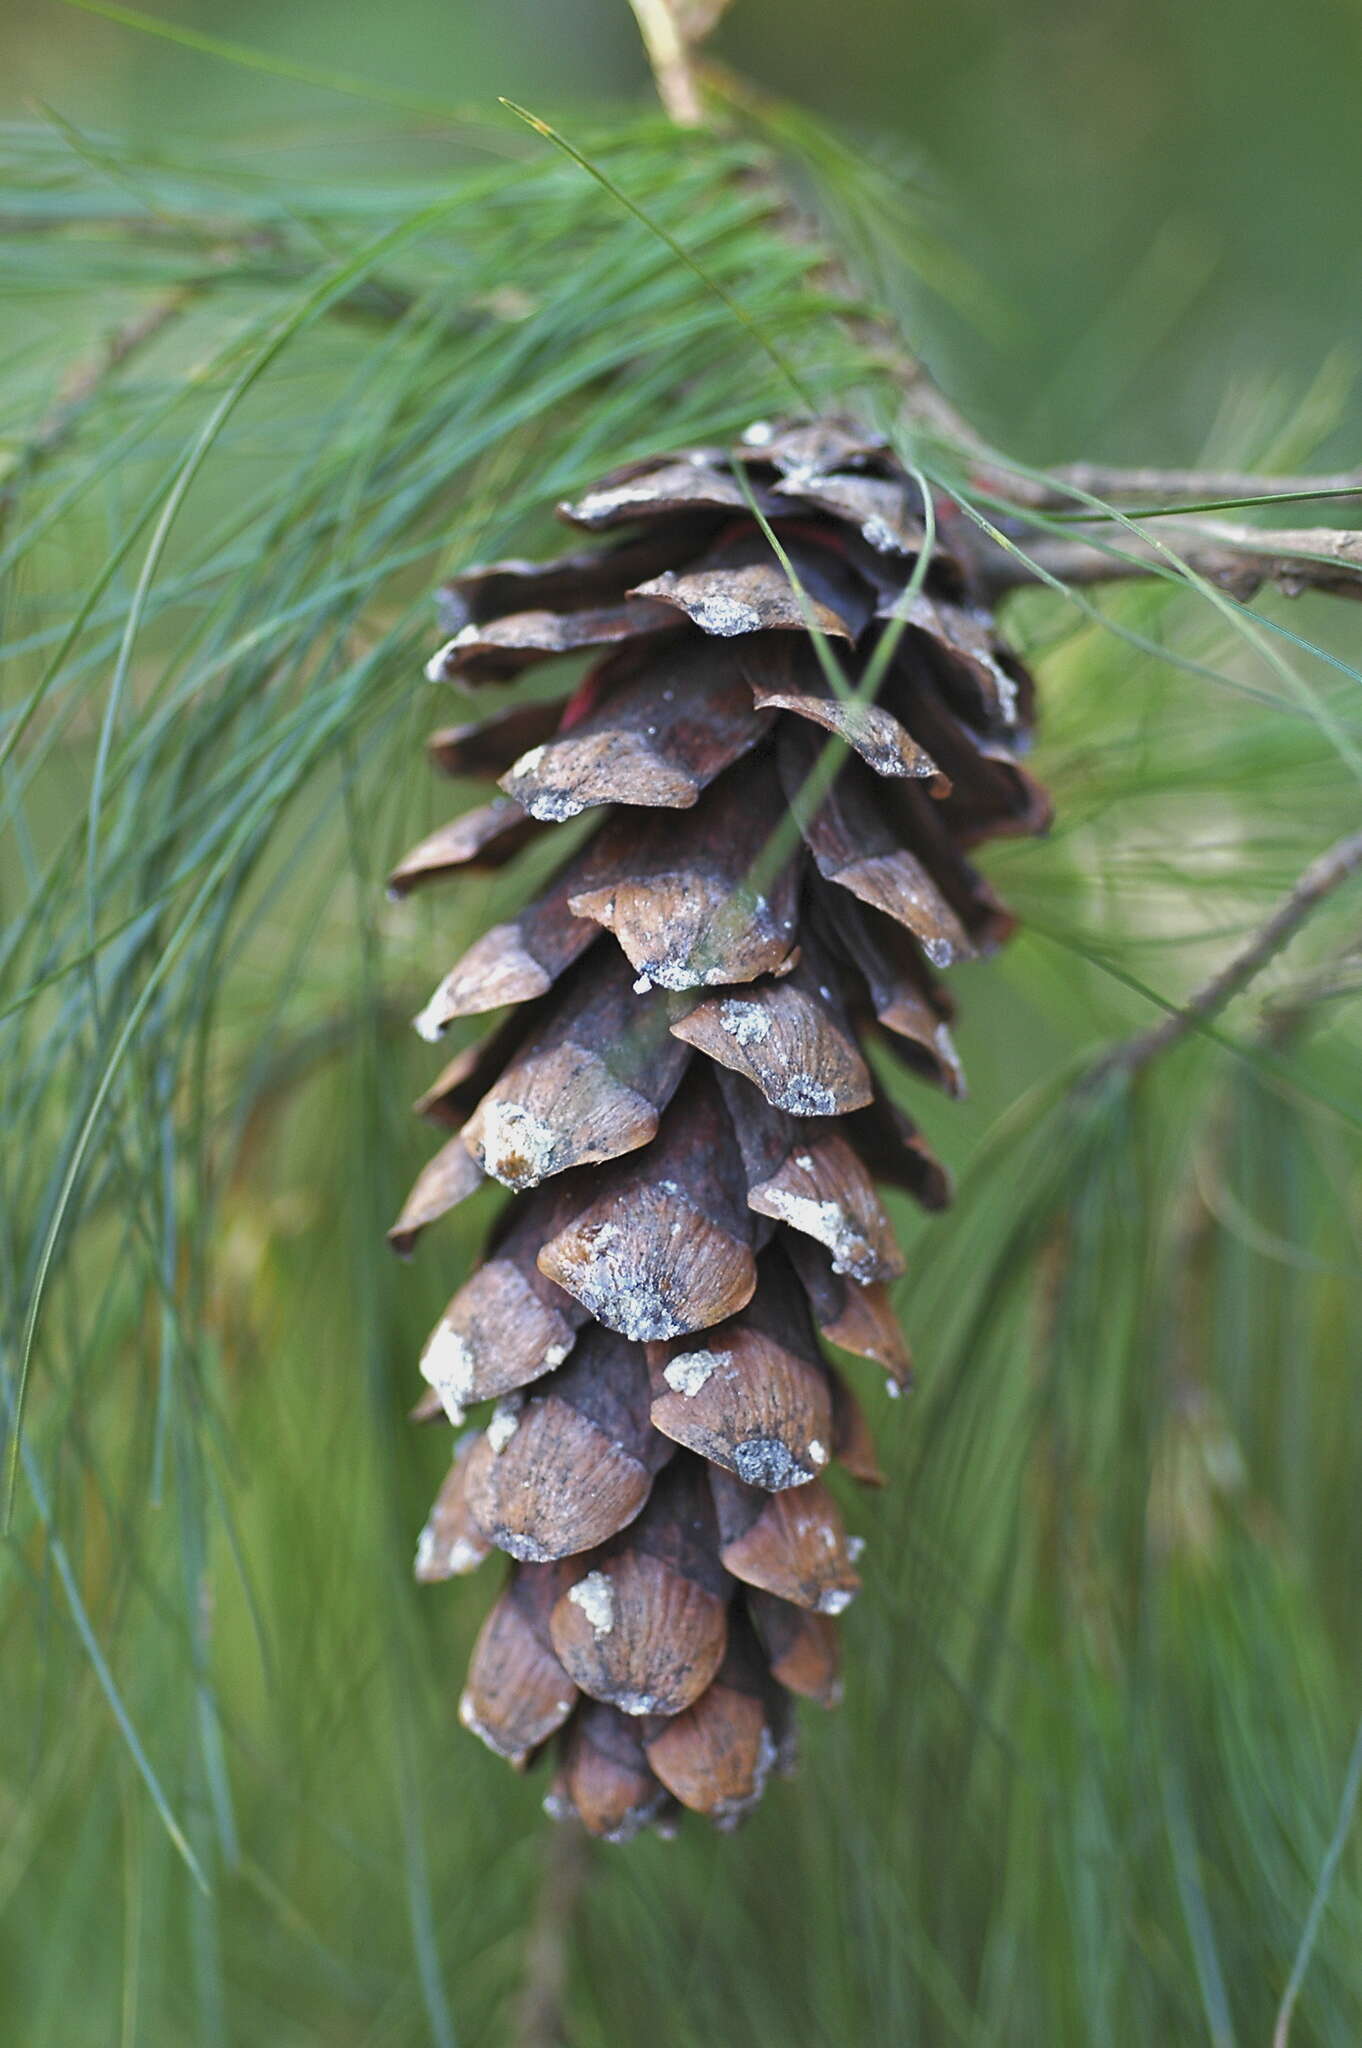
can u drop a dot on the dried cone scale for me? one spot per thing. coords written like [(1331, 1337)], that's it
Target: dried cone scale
[(678, 1091)]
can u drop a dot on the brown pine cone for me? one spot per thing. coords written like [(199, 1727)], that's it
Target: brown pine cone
[(680, 1097)]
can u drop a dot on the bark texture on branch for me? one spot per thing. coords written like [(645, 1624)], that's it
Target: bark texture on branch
[(1072, 480), (1238, 559), (1333, 868)]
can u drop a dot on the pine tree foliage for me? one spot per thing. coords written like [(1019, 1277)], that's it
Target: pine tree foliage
[(1092, 1780)]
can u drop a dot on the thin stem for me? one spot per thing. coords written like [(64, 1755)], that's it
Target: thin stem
[(672, 32), (540, 2017), (1321, 878)]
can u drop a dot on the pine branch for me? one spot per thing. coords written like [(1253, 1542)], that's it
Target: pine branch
[(1329, 872), (1167, 486), (1239, 559), (84, 383), (466, 442), (672, 31)]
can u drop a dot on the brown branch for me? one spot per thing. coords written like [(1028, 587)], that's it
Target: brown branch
[(540, 2018), (1313, 557), (1342, 860), (84, 382), (1238, 559), (1164, 486), (672, 32)]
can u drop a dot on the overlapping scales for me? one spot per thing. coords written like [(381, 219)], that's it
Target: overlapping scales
[(679, 1094)]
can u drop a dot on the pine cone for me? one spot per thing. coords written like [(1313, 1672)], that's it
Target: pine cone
[(680, 1098)]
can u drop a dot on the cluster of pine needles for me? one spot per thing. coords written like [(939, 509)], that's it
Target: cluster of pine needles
[(1095, 1774)]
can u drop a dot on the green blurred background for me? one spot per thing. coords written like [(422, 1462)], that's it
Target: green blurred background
[(1094, 1764)]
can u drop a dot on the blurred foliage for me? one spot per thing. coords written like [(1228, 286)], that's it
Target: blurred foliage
[(1092, 1779)]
